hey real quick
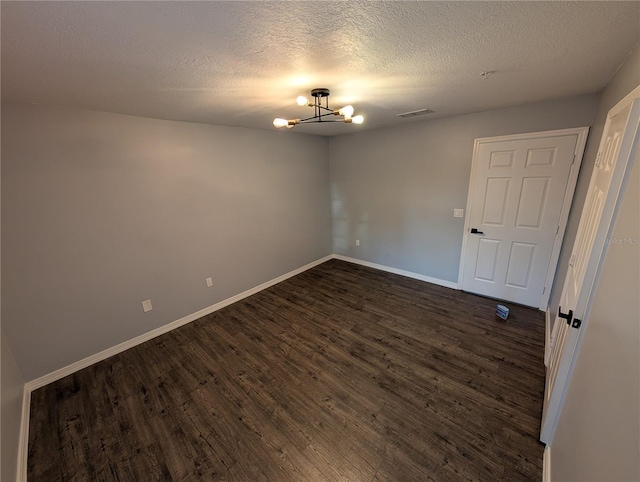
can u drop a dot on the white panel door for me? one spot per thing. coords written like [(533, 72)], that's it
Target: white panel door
[(515, 203), (618, 148)]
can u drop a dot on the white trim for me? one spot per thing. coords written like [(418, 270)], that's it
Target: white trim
[(534, 135), (546, 464), (408, 274), (635, 93), (581, 143), (114, 350), (23, 445), (548, 341), (23, 442)]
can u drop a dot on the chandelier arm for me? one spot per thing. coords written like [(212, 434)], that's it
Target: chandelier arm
[(318, 117), (311, 121)]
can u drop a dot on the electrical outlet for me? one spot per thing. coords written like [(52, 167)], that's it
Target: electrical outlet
[(209, 282), (357, 242), (146, 306), (458, 213)]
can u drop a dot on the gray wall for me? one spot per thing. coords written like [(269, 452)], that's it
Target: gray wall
[(598, 434), (11, 395), (102, 211), (623, 82), (10, 412), (395, 189)]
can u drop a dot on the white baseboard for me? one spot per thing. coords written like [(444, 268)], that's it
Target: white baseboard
[(408, 274), (546, 464), (114, 350), (548, 342), (104, 354), (32, 385)]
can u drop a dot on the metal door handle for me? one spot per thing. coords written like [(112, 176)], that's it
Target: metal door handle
[(475, 231), (566, 316)]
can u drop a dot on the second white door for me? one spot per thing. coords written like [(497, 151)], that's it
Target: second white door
[(517, 211), (616, 154)]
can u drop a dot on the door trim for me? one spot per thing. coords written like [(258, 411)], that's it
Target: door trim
[(582, 133), (610, 209)]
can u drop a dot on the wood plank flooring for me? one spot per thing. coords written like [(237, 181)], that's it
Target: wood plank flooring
[(340, 373)]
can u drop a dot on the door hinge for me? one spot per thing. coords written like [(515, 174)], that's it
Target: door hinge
[(574, 160), (558, 229), (544, 289), (576, 323), (572, 260), (598, 159)]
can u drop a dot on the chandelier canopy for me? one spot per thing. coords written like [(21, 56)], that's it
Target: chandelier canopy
[(321, 113)]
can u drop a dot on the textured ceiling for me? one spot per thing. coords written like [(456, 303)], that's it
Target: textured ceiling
[(244, 63)]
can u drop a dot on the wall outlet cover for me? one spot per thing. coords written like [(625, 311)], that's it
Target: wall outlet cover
[(146, 306), (209, 282), (458, 213)]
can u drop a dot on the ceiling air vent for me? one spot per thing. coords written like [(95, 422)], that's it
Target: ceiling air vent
[(414, 113)]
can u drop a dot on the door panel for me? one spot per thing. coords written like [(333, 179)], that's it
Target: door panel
[(618, 148), (516, 199), (501, 159), (520, 265), (487, 259), (495, 202), (532, 201), (545, 156)]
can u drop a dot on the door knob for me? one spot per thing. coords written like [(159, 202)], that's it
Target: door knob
[(566, 316), (475, 231)]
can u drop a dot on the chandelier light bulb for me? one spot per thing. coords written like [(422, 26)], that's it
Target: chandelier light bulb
[(346, 111), (358, 119), (302, 101), (280, 122)]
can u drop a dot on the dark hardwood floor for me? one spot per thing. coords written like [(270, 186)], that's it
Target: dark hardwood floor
[(340, 373)]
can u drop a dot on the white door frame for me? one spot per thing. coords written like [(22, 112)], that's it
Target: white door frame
[(581, 143), (628, 154)]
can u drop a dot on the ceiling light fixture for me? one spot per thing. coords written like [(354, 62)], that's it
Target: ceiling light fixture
[(321, 113)]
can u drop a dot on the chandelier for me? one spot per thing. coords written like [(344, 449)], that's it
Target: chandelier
[(321, 113)]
